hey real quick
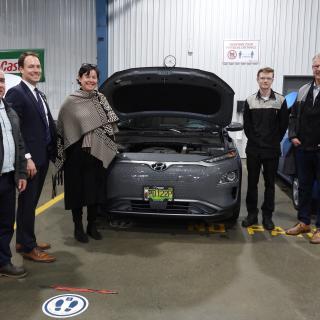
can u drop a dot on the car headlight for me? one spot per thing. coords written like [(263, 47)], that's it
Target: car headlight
[(231, 176), (229, 155)]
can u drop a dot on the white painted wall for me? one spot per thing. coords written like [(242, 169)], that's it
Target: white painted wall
[(66, 29), (143, 32)]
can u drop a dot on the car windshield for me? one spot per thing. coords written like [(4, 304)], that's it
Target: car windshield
[(167, 123)]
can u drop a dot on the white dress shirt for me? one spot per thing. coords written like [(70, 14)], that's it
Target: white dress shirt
[(8, 141)]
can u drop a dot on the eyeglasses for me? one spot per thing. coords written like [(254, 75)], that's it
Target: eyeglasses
[(265, 79)]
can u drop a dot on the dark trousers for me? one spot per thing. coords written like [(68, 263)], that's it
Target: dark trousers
[(308, 169), (254, 165), (27, 203), (7, 215), (91, 214)]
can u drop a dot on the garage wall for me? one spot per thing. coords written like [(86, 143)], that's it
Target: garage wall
[(143, 32), (66, 29)]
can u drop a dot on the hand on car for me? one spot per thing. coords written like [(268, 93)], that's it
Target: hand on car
[(31, 168), (296, 142)]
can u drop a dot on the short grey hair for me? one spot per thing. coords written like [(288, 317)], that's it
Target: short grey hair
[(316, 57)]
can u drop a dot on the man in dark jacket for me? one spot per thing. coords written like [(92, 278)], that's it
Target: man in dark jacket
[(304, 133), (265, 121), (12, 173), (39, 135)]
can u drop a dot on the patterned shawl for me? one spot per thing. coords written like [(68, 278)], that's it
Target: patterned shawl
[(87, 114)]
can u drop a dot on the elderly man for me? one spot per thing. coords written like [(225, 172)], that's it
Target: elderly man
[(304, 133), (12, 173)]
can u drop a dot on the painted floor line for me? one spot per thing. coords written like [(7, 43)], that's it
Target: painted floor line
[(47, 205)]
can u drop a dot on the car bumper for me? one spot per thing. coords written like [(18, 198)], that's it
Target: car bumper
[(197, 191)]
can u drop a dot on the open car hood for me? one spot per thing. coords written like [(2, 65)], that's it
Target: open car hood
[(161, 91)]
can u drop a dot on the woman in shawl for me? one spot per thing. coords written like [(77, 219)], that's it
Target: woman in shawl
[(86, 127)]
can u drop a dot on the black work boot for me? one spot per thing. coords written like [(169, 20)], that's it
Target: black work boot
[(79, 233), (92, 226), (93, 232), (249, 220), (267, 222)]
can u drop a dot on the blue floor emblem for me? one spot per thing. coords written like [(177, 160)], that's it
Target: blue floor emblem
[(65, 306)]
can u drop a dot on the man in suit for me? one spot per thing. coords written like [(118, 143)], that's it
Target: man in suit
[(38, 132), (13, 174)]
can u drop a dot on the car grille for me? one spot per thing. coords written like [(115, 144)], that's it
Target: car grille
[(175, 208)]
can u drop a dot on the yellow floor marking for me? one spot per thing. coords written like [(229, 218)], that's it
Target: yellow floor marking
[(47, 205), (216, 228), (255, 228), (277, 230), (220, 228), (212, 228), (197, 227), (310, 234), (200, 227)]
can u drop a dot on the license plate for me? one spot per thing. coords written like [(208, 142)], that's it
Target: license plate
[(158, 193)]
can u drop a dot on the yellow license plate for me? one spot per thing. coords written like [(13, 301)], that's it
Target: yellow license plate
[(158, 193)]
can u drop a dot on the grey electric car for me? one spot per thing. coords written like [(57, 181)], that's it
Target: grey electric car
[(176, 157)]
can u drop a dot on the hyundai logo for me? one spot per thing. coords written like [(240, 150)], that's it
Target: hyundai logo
[(159, 166)]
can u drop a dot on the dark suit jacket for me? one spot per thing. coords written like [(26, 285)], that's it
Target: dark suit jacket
[(20, 161), (32, 126)]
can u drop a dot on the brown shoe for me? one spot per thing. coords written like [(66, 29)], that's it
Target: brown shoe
[(38, 255), (298, 228), (40, 245), (315, 239)]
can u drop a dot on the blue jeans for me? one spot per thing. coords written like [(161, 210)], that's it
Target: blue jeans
[(308, 169)]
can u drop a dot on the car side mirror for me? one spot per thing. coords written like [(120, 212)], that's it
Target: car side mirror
[(234, 126)]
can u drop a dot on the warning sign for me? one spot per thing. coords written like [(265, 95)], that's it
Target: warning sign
[(241, 51)]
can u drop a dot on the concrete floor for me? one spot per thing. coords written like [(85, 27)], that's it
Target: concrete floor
[(174, 270)]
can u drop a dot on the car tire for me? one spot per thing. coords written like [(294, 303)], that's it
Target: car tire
[(229, 223), (295, 192)]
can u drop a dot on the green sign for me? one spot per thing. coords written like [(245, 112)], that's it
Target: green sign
[(9, 60)]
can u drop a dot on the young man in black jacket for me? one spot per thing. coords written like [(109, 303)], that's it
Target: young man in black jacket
[(265, 121), (13, 173)]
